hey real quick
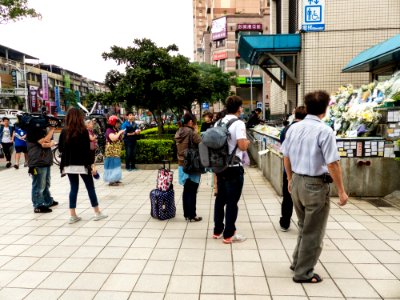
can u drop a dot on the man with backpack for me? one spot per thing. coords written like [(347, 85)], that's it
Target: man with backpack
[(230, 180)]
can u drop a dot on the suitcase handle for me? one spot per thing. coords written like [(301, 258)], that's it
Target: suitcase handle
[(164, 161)]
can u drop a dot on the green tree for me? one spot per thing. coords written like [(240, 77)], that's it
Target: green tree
[(14, 10), (154, 78), (214, 84)]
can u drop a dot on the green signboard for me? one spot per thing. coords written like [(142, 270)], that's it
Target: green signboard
[(246, 80)]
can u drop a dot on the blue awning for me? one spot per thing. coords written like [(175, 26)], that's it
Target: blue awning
[(252, 47), (376, 57)]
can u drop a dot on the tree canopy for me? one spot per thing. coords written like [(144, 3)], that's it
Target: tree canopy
[(157, 80), (13, 10)]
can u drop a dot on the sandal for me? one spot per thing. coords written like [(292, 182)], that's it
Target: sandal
[(315, 279)]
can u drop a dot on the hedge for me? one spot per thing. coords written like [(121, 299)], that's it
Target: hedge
[(169, 129), (153, 151)]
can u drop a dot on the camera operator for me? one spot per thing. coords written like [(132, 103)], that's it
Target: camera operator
[(39, 140)]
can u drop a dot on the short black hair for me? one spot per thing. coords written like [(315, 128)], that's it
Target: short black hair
[(300, 113), (5, 118), (233, 103), (187, 117), (129, 113), (316, 102), (257, 109)]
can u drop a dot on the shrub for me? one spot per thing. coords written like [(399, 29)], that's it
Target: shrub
[(150, 151), (159, 137), (170, 129)]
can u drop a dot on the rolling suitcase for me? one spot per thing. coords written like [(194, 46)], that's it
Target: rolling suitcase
[(162, 204), (162, 199)]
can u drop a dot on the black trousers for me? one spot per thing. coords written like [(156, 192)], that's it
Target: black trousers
[(287, 204), (130, 158), (230, 185), (7, 150), (189, 198)]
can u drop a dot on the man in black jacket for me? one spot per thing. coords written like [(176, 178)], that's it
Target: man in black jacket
[(39, 142)]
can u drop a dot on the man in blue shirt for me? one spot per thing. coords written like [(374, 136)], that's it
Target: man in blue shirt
[(310, 152), (132, 132)]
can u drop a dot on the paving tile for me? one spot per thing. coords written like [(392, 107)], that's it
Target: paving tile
[(28, 279), (359, 256), (190, 268), (246, 255), (146, 296), (387, 288), (184, 284), (7, 276), (20, 263), (152, 283), (251, 285), (357, 288), (130, 266), (218, 255), (13, 293), (159, 267), (374, 271), (89, 281), (81, 295), (217, 285), (138, 253), (326, 288), (120, 282), (285, 287), (74, 265), (342, 270), (248, 269), (42, 294), (112, 295), (387, 257), (102, 265), (219, 297), (277, 269), (58, 280)]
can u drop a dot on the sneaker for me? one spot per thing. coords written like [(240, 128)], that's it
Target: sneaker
[(113, 184), (237, 238), (96, 176), (55, 203), (74, 219), (42, 210), (284, 229), (100, 216), (16, 167), (8, 165), (217, 236)]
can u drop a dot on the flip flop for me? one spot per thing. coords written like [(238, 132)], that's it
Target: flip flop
[(315, 279)]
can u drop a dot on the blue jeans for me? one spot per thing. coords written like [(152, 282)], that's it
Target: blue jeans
[(73, 194), (41, 187), (230, 185)]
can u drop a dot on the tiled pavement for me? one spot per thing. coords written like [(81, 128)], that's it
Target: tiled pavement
[(132, 256)]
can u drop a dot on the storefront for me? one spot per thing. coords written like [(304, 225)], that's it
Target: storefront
[(366, 120)]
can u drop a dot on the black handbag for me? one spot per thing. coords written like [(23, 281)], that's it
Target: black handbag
[(191, 162)]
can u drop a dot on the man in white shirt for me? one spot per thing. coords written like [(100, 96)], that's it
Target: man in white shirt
[(230, 181)]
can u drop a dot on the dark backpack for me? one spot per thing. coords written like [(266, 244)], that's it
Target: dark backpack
[(214, 149)]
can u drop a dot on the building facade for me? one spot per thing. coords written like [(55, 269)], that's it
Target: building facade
[(39, 84), (218, 26), (350, 27)]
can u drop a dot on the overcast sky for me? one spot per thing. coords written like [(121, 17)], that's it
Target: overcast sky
[(74, 33)]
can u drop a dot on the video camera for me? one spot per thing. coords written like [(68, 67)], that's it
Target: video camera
[(39, 121)]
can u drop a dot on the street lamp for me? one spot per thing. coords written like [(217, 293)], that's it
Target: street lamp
[(251, 70), (23, 72)]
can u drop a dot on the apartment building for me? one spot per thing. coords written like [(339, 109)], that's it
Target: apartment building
[(218, 24), (39, 84), (349, 28)]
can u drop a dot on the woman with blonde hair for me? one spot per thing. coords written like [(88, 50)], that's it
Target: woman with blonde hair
[(74, 145)]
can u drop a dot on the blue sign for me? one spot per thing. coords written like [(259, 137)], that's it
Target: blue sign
[(57, 99), (205, 105), (313, 15)]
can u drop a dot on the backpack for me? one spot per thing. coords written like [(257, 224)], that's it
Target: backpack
[(214, 149)]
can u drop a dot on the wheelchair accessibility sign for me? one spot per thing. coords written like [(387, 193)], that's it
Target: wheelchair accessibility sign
[(313, 15)]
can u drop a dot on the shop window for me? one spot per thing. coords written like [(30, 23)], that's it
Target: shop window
[(238, 34), (220, 43), (241, 64)]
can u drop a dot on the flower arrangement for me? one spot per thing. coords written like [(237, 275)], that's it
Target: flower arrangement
[(351, 111)]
